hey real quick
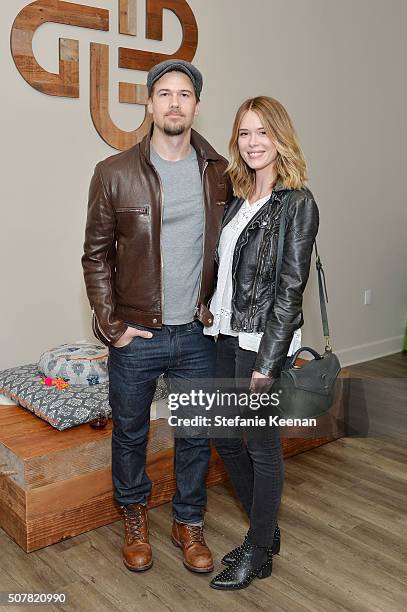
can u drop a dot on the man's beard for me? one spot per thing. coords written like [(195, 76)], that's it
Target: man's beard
[(174, 130)]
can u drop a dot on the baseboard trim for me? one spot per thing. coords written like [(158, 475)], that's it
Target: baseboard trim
[(371, 350)]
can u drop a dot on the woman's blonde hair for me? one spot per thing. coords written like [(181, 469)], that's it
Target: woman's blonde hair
[(290, 164)]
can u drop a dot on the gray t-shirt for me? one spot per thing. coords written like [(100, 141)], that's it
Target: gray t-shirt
[(181, 235)]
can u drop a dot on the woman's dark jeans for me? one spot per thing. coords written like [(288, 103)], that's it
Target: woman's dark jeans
[(255, 463)]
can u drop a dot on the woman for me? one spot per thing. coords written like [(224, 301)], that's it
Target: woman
[(255, 330)]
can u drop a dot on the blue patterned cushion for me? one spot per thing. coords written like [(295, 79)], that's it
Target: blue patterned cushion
[(61, 408), (79, 363)]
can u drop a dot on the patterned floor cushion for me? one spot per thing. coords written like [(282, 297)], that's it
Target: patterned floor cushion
[(60, 407), (81, 363)]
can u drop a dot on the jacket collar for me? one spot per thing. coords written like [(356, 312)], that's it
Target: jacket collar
[(235, 205), (202, 147), (281, 187)]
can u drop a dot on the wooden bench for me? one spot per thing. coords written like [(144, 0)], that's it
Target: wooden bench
[(57, 484)]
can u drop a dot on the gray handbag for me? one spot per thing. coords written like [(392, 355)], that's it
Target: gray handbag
[(306, 391)]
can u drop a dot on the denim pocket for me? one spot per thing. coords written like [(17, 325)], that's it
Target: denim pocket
[(123, 348)]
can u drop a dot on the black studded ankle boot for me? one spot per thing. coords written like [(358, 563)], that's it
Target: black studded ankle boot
[(251, 562), (230, 557)]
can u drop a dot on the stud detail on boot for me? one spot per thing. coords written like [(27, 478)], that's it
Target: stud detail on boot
[(251, 562), (230, 557)]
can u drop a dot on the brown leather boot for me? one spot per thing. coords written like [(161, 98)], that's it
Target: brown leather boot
[(137, 555), (197, 556)]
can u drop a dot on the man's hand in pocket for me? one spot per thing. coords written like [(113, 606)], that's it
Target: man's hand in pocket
[(129, 334)]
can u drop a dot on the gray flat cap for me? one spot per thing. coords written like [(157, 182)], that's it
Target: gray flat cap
[(178, 65)]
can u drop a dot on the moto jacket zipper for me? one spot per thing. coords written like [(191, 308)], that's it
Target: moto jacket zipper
[(98, 327), (203, 238)]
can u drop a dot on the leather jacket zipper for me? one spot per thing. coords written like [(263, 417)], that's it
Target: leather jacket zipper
[(236, 256), (237, 251), (96, 326), (161, 251), (258, 272), (203, 239), (255, 284), (138, 209)]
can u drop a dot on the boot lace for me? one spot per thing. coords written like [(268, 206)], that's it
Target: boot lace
[(133, 523), (195, 533)]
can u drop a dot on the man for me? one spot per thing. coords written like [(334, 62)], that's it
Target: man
[(153, 221)]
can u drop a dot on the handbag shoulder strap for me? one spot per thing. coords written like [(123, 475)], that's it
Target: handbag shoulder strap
[(323, 295)]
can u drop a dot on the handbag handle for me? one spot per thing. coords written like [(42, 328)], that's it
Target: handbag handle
[(293, 358), (323, 295)]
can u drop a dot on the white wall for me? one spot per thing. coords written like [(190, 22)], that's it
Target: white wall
[(338, 67)]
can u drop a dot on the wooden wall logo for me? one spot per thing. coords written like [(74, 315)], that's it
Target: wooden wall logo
[(65, 83)]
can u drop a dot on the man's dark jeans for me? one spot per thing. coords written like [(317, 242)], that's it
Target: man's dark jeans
[(182, 353)]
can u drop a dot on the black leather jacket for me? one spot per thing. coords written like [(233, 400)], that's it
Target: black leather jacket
[(253, 273)]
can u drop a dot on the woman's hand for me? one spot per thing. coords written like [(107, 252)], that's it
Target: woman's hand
[(260, 383)]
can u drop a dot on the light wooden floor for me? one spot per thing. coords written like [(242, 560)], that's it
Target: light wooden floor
[(344, 541)]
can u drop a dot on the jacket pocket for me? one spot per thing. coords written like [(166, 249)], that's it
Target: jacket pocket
[(141, 210)]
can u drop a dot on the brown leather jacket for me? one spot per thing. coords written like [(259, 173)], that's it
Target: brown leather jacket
[(122, 251)]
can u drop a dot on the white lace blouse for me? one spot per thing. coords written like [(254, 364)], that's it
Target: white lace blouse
[(221, 302)]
